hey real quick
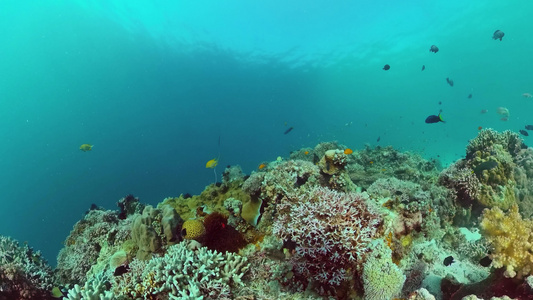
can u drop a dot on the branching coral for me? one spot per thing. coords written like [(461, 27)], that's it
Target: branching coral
[(183, 272), (24, 274), (95, 288), (86, 240), (486, 178), (331, 230), (487, 138), (511, 239)]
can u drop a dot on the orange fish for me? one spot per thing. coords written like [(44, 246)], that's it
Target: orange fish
[(479, 128), (261, 166), (306, 152), (348, 151)]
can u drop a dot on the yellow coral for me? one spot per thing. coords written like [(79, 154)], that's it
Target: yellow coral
[(192, 229), (511, 239)]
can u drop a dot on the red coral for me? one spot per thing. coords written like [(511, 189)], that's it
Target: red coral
[(220, 236)]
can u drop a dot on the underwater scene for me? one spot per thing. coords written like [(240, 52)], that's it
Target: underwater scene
[(375, 150)]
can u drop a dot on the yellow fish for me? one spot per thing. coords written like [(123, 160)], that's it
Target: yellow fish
[(86, 147), (212, 163)]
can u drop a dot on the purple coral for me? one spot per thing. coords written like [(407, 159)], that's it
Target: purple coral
[(331, 231)]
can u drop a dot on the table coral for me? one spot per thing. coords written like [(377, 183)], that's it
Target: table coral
[(511, 239)]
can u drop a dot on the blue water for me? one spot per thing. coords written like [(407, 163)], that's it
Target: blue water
[(153, 85)]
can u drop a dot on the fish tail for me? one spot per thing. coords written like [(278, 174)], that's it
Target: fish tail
[(440, 119)]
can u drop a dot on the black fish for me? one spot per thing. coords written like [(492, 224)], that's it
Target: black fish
[(485, 261), (121, 270), (529, 127), (498, 35), (449, 81), (434, 119), (523, 132), (379, 139), (288, 130), (448, 260), (386, 67), (423, 67), (434, 49), (470, 96)]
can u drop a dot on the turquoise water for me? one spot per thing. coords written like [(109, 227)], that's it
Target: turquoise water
[(153, 85)]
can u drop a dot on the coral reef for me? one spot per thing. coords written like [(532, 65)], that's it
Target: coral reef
[(495, 173), (331, 231), (327, 222), (191, 274), (511, 240), (24, 274), (382, 279), (94, 238), (155, 228)]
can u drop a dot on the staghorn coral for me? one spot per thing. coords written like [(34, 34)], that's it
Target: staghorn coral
[(511, 239), (94, 289), (331, 231), (183, 272), (24, 274)]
